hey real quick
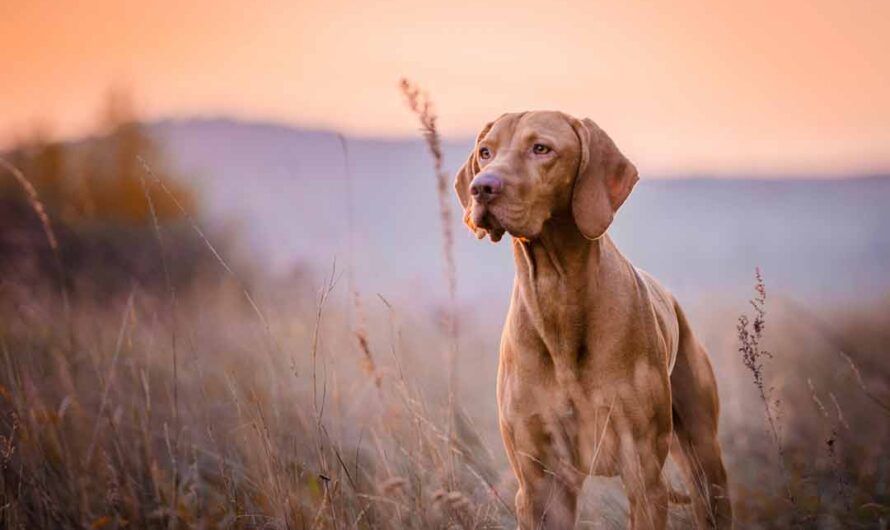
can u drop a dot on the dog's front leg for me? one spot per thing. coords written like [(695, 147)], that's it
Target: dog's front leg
[(546, 500), (648, 499), (641, 472), (546, 504), (547, 497)]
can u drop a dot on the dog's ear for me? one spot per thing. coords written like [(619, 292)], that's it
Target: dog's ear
[(605, 179), (464, 177)]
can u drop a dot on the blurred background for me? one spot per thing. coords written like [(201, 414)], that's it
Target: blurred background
[(189, 188)]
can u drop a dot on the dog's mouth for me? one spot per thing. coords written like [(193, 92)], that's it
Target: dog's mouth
[(485, 219)]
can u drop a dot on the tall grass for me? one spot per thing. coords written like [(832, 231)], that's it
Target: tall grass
[(420, 104), (40, 211), (135, 412), (219, 428), (825, 486), (750, 334)]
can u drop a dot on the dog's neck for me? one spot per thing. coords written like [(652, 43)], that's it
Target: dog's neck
[(556, 273), (559, 251)]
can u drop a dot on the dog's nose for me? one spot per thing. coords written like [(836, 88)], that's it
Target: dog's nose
[(486, 186)]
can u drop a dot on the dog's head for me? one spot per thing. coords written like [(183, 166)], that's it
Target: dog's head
[(529, 167)]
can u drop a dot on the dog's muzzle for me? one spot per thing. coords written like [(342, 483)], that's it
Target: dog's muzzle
[(486, 187)]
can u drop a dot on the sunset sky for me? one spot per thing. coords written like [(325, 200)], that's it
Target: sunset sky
[(757, 87)]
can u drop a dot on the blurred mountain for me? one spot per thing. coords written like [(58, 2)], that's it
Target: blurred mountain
[(288, 188)]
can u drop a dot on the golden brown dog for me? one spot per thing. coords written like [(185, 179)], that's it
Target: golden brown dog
[(600, 373)]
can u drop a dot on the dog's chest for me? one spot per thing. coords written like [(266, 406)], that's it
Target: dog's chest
[(574, 433)]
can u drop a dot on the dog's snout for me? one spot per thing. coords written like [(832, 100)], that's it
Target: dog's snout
[(486, 186)]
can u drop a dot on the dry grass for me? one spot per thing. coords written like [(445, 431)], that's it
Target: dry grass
[(34, 201), (40, 210), (750, 333), (420, 104), (194, 408), (827, 467), (118, 431)]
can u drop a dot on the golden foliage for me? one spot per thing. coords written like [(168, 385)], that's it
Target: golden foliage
[(99, 179)]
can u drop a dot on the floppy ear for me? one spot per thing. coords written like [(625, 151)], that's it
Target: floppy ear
[(605, 179), (462, 181)]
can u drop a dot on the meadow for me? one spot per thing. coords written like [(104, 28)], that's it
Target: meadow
[(154, 376)]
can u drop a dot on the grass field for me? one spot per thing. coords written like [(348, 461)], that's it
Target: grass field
[(220, 397), (144, 412)]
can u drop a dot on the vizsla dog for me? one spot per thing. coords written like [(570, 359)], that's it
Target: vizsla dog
[(599, 373)]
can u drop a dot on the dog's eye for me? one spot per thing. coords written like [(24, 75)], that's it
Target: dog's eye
[(484, 153), (540, 149)]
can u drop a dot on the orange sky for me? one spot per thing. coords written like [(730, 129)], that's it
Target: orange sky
[(758, 86)]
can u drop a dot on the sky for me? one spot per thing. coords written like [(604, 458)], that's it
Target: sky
[(711, 87)]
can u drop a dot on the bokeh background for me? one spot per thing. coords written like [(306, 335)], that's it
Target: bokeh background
[(222, 254)]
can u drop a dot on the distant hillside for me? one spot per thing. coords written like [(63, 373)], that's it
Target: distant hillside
[(815, 240)]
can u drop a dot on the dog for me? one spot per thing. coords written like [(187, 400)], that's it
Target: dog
[(599, 371)]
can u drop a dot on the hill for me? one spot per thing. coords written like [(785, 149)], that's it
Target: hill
[(815, 240)]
